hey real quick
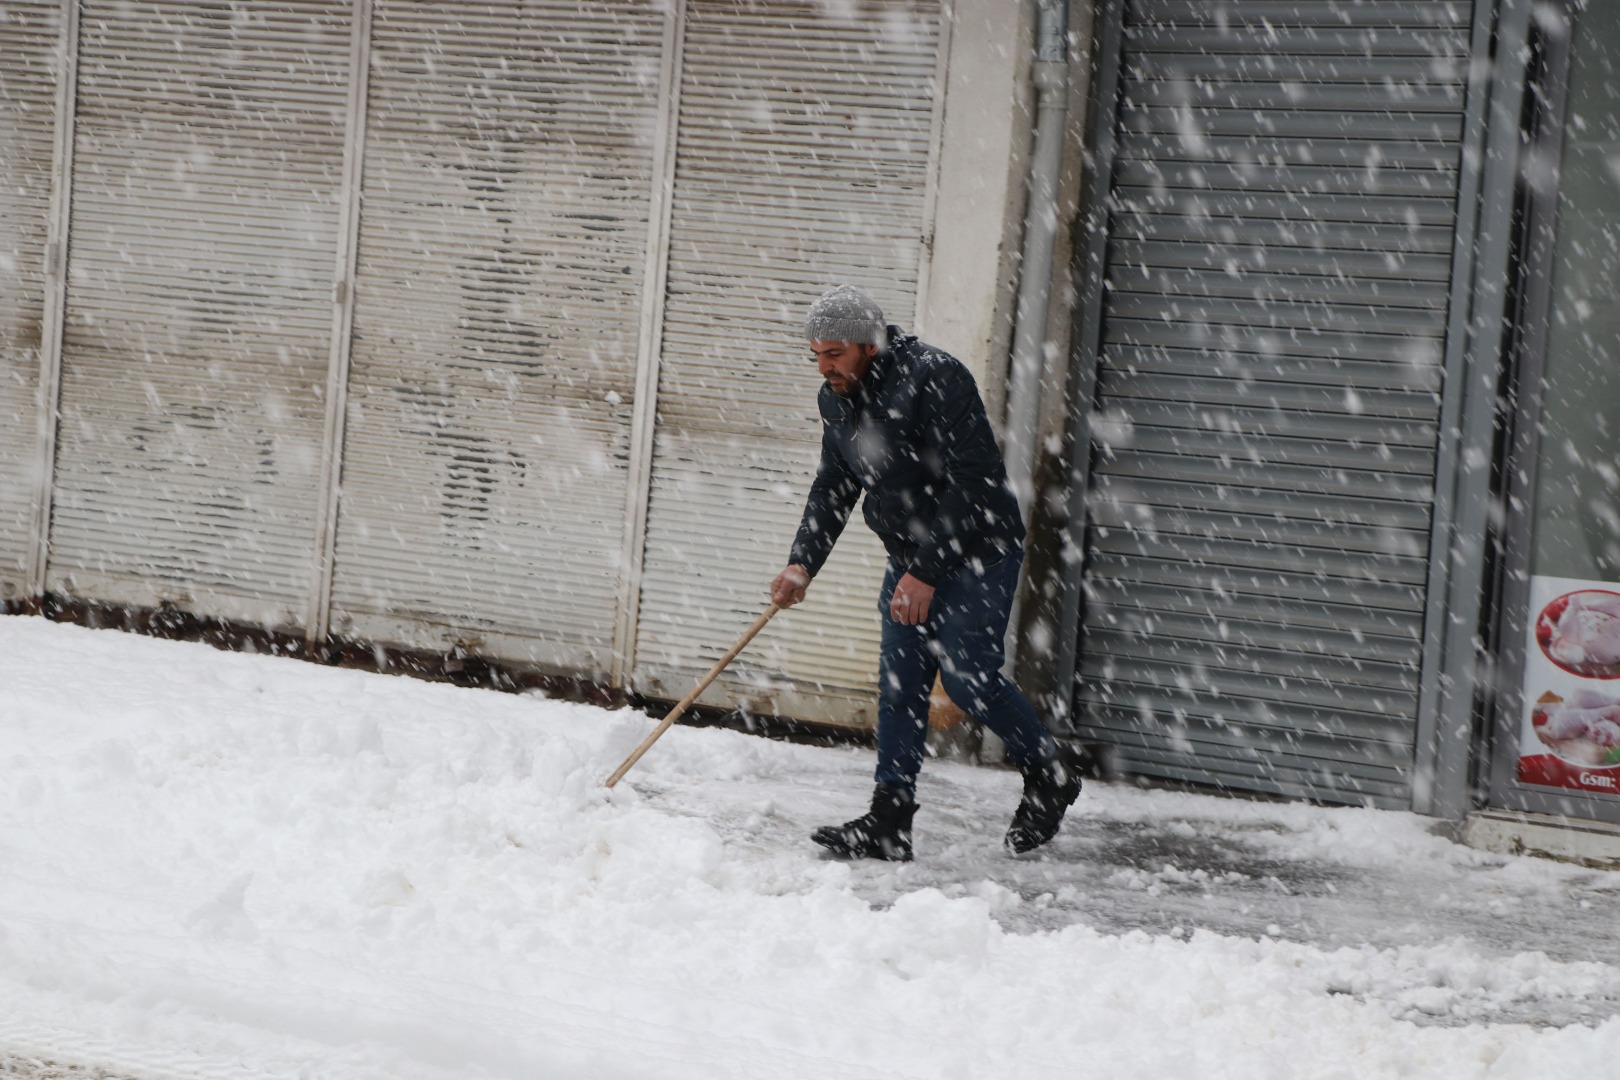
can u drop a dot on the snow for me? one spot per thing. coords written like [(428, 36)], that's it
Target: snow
[(244, 865)]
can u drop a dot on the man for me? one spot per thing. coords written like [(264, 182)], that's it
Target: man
[(903, 422)]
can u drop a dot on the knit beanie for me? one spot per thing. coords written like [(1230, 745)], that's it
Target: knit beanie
[(849, 314)]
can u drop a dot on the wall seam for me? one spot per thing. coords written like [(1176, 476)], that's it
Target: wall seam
[(655, 277), (54, 317), (337, 383)]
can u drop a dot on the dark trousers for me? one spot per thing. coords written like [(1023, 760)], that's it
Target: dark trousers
[(962, 641)]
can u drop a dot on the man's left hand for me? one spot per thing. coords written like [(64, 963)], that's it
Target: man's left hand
[(909, 604)]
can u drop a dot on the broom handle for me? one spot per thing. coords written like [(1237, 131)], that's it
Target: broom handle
[(685, 702)]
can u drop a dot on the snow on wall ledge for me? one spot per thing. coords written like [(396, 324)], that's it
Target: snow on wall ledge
[(244, 864)]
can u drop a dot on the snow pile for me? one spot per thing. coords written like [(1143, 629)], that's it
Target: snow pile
[(303, 870)]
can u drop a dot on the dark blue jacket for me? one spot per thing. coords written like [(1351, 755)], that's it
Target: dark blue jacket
[(914, 436)]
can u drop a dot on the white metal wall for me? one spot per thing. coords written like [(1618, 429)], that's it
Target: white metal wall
[(209, 145), (803, 154), (31, 33), (508, 175), (502, 339)]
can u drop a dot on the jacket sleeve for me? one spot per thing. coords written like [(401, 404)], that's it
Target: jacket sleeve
[(826, 511), (957, 432)]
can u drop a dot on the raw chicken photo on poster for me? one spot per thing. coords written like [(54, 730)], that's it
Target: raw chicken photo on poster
[(1570, 737)]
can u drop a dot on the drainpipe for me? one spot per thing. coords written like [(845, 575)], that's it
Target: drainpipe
[(1021, 442)]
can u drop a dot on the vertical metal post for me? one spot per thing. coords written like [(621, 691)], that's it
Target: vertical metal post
[(337, 375), (1475, 337), (654, 281), (1028, 362), (49, 390), (936, 136), (1085, 349)]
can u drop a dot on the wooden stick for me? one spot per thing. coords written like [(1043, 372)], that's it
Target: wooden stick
[(686, 702)]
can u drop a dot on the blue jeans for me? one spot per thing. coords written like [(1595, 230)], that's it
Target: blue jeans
[(962, 641)]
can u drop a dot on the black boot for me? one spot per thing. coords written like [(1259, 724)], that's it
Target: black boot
[(884, 832), (1048, 791)]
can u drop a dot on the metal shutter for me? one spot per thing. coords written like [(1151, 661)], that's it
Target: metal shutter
[(507, 181), (207, 174), (28, 88), (1277, 279), (802, 159)]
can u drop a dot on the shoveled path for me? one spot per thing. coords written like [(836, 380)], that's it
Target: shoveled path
[(1162, 862)]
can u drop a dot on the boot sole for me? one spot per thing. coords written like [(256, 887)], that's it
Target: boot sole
[(843, 851)]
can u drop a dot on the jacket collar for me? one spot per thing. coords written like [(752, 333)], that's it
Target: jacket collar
[(882, 363)]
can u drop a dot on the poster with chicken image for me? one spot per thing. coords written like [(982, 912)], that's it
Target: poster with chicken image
[(1570, 737)]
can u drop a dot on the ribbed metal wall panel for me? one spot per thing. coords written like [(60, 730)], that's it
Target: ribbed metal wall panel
[(803, 151), (508, 174), (32, 33), (1274, 318), (209, 149)]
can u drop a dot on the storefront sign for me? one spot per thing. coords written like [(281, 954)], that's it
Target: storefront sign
[(1570, 734)]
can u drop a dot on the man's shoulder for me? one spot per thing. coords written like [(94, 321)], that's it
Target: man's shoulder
[(921, 358), (934, 370)]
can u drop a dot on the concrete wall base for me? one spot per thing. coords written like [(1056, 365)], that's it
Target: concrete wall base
[(1513, 832)]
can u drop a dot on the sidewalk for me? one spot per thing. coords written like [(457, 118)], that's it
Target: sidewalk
[(237, 867)]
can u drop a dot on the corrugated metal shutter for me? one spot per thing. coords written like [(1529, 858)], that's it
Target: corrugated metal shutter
[(802, 159), (503, 245), (28, 86), (1277, 287), (208, 164)]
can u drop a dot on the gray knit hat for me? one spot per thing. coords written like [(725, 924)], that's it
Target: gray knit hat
[(846, 313)]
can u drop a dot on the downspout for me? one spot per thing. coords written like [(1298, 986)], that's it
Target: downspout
[(1021, 440), (1090, 247)]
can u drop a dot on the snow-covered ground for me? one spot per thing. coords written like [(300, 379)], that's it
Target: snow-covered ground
[(235, 865)]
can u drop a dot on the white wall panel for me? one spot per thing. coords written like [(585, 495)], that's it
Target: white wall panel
[(508, 172), (29, 70), (802, 159), (207, 176)]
